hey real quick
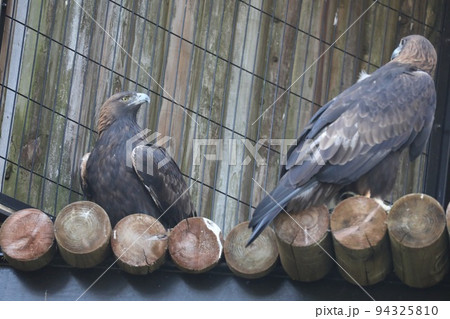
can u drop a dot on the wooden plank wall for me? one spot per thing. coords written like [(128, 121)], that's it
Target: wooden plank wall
[(211, 68)]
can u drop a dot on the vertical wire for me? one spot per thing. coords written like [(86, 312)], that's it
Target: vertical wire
[(234, 118), (275, 98), (385, 32), (28, 104), (330, 59), (358, 60), (186, 96), (40, 117), (265, 83), (58, 78), (200, 90), (212, 98), (4, 86), (252, 183), (344, 55), (291, 76), (225, 90), (82, 99), (132, 13), (144, 23), (177, 70), (66, 117), (164, 68), (301, 99), (157, 27), (116, 41), (94, 112)]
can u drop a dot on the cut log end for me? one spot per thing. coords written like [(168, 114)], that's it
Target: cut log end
[(254, 261), (303, 228), (358, 223), (304, 243), (82, 231), (196, 244), (416, 220), (139, 242), (416, 225), (27, 239), (360, 240)]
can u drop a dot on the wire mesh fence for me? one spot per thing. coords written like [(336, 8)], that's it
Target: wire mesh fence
[(232, 83)]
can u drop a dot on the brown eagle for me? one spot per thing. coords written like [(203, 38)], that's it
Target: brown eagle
[(353, 142), (125, 174)]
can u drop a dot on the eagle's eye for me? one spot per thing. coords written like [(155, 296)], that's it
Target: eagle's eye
[(125, 98), (403, 42)]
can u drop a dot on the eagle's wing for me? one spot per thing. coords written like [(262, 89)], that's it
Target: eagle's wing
[(163, 179), (391, 109), (83, 175), (384, 113)]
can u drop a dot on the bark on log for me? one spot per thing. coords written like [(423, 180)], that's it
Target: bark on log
[(254, 261), (360, 239), (27, 239), (139, 242), (196, 244), (83, 231), (419, 241), (304, 243)]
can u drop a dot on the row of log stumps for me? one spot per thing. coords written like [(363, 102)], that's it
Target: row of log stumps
[(367, 242), (364, 241)]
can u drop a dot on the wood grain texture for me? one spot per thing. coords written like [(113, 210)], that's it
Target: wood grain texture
[(27, 239), (139, 243), (82, 232), (360, 239), (255, 261), (304, 243), (419, 241), (196, 244)]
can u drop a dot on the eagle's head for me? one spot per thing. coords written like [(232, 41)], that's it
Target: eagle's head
[(120, 106), (417, 51)]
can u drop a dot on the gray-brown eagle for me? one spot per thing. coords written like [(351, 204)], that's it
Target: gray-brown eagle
[(126, 174), (354, 141)]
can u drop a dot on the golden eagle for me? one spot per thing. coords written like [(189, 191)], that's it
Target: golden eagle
[(126, 174), (354, 141)]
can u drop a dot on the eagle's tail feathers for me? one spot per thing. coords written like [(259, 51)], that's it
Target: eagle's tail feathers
[(269, 208)]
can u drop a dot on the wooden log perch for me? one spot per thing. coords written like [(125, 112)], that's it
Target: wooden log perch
[(254, 261), (196, 244), (304, 243), (83, 231), (361, 242), (139, 242), (27, 239), (419, 243)]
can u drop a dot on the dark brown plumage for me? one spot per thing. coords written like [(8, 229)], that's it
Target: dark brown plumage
[(353, 142), (125, 174)]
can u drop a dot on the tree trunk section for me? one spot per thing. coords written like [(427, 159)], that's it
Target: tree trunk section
[(254, 261), (361, 243), (27, 239), (304, 243), (83, 231), (139, 242), (419, 241), (196, 244)]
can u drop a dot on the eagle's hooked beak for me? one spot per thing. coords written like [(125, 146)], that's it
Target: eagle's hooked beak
[(137, 100), (396, 52)]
